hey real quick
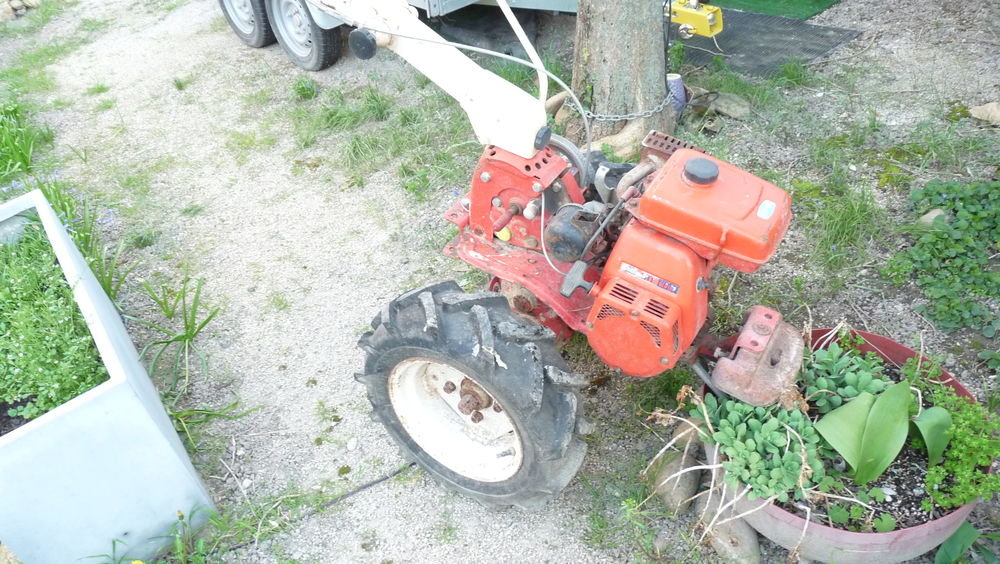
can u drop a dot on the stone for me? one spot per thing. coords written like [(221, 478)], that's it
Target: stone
[(676, 489), (12, 228), (6, 12), (352, 443), (733, 541), (31, 3), (987, 112), (927, 220), (16, 5), (731, 105)]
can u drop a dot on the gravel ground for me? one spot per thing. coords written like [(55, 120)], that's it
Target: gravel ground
[(299, 260)]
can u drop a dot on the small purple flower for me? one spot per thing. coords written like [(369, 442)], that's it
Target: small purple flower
[(107, 218)]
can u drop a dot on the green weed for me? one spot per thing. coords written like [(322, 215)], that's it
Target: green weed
[(181, 83), (842, 227), (18, 141), (304, 88), (96, 89), (104, 105), (27, 72), (192, 210), (142, 238), (278, 301), (36, 18), (182, 308)]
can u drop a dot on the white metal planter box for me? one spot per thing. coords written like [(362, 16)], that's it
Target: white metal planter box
[(104, 466)]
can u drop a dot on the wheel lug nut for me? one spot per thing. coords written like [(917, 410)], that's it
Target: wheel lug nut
[(477, 417), (497, 408), (449, 387)]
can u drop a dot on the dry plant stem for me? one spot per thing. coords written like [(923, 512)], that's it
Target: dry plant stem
[(722, 509), (689, 469), (842, 498), (763, 504), (239, 485), (672, 441), (802, 537), (260, 524)]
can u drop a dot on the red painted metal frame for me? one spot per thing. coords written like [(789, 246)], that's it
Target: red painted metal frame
[(515, 181)]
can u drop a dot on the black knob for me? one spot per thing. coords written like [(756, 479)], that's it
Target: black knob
[(701, 171), (362, 43)]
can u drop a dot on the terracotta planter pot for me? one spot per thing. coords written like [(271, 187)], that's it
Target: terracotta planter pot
[(828, 544)]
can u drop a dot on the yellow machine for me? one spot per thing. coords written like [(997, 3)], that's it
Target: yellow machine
[(695, 18)]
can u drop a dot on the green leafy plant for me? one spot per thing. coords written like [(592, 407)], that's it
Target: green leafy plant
[(48, 355), (950, 261), (774, 452), (869, 431), (835, 374), (963, 541), (964, 474)]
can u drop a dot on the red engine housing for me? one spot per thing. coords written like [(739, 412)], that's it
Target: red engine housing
[(650, 299)]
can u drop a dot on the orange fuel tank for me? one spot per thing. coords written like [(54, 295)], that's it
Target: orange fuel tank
[(720, 211)]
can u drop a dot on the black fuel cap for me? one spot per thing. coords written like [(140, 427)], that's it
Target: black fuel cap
[(701, 171)]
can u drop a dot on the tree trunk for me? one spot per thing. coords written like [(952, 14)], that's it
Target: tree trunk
[(619, 65)]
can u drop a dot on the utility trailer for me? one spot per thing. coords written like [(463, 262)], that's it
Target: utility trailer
[(310, 33)]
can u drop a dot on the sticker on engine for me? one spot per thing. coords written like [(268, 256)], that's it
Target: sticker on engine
[(766, 209), (652, 279)]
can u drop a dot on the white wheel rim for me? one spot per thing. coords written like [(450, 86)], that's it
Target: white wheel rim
[(293, 24), (241, 13), (487, 451)]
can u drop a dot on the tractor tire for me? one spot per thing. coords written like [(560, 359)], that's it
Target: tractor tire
[(309, 46), (248, 20), (476, 395)]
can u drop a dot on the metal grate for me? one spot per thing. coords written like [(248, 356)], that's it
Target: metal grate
[(609, 311), (758, 44), (624, 293), (677, 337), (663, 145), (653, 331)]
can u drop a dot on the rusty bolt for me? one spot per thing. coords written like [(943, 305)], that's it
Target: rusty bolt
[(761, 329), (449, 387), (485, 177), (497, 408), (497, 202), (635, 313), (477, 417), (531, 243)]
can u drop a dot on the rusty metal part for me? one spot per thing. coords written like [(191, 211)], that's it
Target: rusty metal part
[(473, 399), (477, 417), (449, 387), (663, 145), (633, 177), (764, 361)]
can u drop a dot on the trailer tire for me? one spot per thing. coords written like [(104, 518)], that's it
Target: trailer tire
[(476, 395), (248, 20), (308, 45)]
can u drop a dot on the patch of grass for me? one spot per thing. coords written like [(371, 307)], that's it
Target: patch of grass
[(617, 516), (842, 227), (105, 105), (99, 88), (181, 83), (953, 146), (721, 78), (42, 331), (91, 25), (278, 301), (305, 88), (142, 238), (241, 143), (19, 138), (647, 394), (27, 72), (794, 73), (36, 18), (192, 210), (261, 97), (953, 261), (525, 77)]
